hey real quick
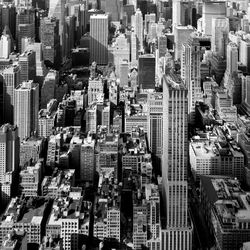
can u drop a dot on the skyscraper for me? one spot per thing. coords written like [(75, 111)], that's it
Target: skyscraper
[(87, 160), (50, 40), (113, 7), (210, 10), (99, 39), (176, 12), (26, 108), (146, 71), (220, 31), (25, 25), (57, 9), (9, 155), (190, 74), (138, 28), (11, 79), (175, 163), (27, 62), (155, 125), (5, 46)]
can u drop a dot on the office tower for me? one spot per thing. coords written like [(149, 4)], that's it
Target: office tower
[(41, 70), (190, 74), (8, 18), (114, 90), (9, 149), (146, 71), (121, 52), (48, 88), (11, 79), (87, 160), (155, 126), (95, 89), (50, 40), (220, 31), (212, 10), (70, 24), (26, 108), (162, 45), (9, 155), (175, 163), (27, 62), (138, 28), (5, 46), (57, 9), (134, 47), (181, 36), (91, 119), (176, 13), (232, 58), (153, 213), (245, 53), (99, 39), (123, 74), (25, 25), (149, 18), (113, 8)]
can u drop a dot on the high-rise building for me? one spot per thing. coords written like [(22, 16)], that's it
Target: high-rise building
[(232, 58), (91, 118), (87, 159), (99, 39), (95, 89), (178, 233), (50, 40), (181, 35), (11, 79), (57, 9), (219, 40), (210, 10), (8, 18), (9, 155), (27, 62), (26, 106), (176, 12), (245, 53), (155, 125), (146, 71), (121, 52), (138, 28), (123, 74), (190, 73), (134, 47), (5, 46), (25, 25), (113, 8), (48, 88)]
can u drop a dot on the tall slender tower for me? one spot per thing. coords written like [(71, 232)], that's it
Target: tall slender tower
[(57, 9), (190, 74), (175, 162), (176, 12), (99, 39), (11, 79), (138, 26), (9, 155), (26, 108)]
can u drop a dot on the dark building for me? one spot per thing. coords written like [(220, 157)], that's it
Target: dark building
[(146, 71), (8, 18), (50, 40)]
